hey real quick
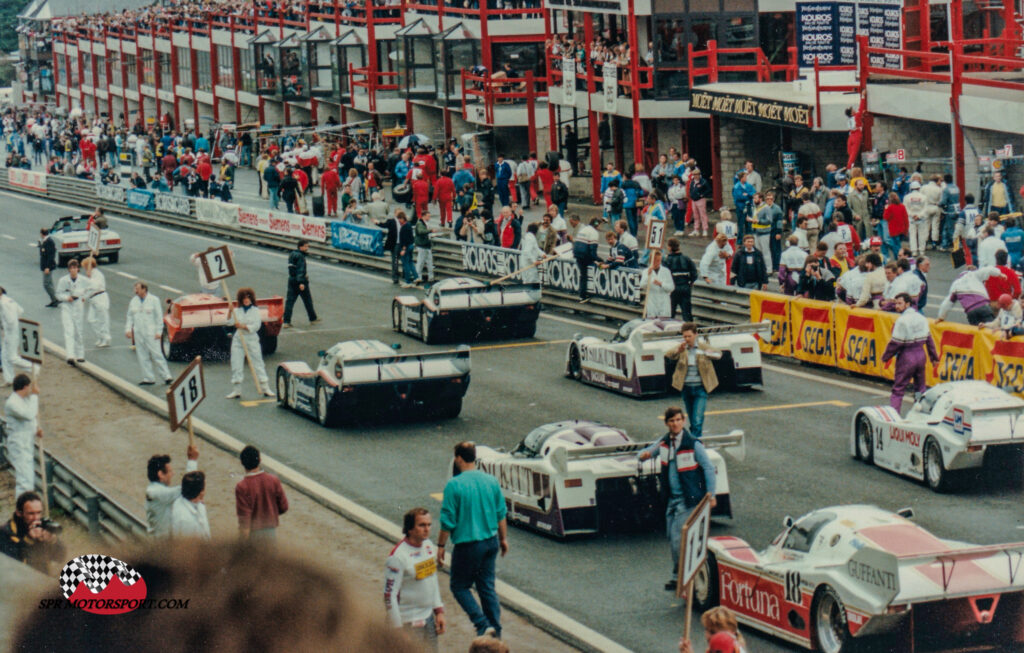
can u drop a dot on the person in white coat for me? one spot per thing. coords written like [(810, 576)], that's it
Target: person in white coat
[(21, 412), (70, 290), (97, 302), (10, 311), (160, 494), (716, 258), (212, 288), (247, 325), (529, 254), (145, 323), (657, 282), (188, 513)]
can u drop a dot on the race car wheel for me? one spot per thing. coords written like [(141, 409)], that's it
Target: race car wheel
[(282, 388), (324, 414), (935, 473), (174, 352), (268, 344), (705, 584), (451, 409), (113, 257), (396, 316), (575, 366), (865, 440), (829, 627)]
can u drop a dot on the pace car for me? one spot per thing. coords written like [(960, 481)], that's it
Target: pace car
[(464, 310), (71, 236), (839, 575), (633, 362), (200, 323), (576, 477), (366, 378), (952, 427)]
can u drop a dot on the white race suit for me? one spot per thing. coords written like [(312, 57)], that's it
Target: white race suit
[(10, 311), (21, 414), (72, 310), (146, 321), (97, 306), (248, 316)]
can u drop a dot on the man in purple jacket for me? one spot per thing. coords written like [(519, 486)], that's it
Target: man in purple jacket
[(911, 343)]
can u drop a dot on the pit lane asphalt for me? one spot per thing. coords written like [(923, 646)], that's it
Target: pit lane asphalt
[(797, 458)]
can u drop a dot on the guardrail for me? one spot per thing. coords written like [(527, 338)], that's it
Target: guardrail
[(711, 304), (83, 501)]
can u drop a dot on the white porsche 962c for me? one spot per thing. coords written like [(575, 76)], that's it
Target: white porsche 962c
[(952, 427)]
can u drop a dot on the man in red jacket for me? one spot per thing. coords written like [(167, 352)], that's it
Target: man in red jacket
[(88, 149), (331, 182), (205, 171), (444, 194), (168, 165), (428, 163), (420, 192)]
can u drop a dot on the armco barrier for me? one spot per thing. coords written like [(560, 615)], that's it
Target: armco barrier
[(854, 339), (711, 304), (82, 501)]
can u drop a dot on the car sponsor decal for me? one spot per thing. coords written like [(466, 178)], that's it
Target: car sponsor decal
[(604, 357), (764, 598), (905, 436)]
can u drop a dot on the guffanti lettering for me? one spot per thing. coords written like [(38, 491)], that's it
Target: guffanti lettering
[(867, 574)]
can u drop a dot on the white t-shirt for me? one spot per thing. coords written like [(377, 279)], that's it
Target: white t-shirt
[(411, 592)]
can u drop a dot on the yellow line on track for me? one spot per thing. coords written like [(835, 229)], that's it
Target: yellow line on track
[(539, 343), (834, 402), (257, 402)]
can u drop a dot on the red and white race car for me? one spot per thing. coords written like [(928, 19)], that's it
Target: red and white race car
[(839, 575), (200, 323)]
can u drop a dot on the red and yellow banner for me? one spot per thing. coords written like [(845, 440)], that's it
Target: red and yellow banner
[(956, 344), (861, 338), (774, 308), (1001, 361), (811, 328)]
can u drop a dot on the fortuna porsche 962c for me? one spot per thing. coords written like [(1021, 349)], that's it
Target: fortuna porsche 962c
[(465, 310), (576, 477), (366, 378), (633, 361), (953, 427), (838, 576)]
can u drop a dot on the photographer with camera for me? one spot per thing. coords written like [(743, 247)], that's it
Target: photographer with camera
[(30, 537)]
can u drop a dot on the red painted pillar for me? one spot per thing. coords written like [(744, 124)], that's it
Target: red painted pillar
[(214, 71), (236, 74), (634, 76), (531, 112), (193, 59), (955, 90), (595, 149)]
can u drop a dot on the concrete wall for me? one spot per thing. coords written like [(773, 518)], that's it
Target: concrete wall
[(984, 142), (920, 139)]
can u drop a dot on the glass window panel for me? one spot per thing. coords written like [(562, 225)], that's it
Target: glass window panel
[(225, 66), (183, 58)]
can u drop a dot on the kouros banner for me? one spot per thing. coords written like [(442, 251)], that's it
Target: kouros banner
[(283, 224), (216, 212), (110, 193), (28, 179), (775, 112), (172, 203), (568, 80), (489, 260)]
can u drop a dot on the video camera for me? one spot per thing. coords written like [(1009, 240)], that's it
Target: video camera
[(50, 526)]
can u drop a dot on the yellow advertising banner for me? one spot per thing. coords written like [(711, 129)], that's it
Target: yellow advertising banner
[(861, 338), (1000, 362), (775, 308), (957, 345), (811, 328)]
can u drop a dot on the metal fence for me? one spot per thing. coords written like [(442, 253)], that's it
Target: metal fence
[(80, 500), (711, 304)]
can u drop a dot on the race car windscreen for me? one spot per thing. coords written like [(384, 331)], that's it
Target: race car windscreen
[(802, 534)]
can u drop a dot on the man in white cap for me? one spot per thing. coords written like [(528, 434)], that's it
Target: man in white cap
[(917, 205)]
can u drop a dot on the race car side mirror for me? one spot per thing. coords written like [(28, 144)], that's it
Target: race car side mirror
[(906, 513), (321, 353), (787, 521)]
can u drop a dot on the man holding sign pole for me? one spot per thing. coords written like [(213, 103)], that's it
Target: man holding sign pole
[(687, 475), (145, 322), (21, 412)]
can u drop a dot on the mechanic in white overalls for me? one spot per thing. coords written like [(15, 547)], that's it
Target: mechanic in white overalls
[(70, 290), (97, 302), (529, 254), (247, 325), (206, 286), (10, 311), (657, 282), (21, 412), (145, 323)]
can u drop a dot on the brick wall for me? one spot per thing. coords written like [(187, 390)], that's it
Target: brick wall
[(920, 140), (984, 142)]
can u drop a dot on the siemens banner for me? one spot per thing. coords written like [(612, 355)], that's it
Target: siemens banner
[(357, 238)]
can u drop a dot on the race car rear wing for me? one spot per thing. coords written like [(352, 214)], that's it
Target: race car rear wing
[(218, 313), (996, 422), (733, 442), (407, 367), (488, 296), (759, 328)]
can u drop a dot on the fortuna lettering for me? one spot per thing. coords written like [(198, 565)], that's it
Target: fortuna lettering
[(868, 574), (746, 598), (903, 435)]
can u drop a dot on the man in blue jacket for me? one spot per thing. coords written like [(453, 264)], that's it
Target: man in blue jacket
[(502, 177), (742, 196)]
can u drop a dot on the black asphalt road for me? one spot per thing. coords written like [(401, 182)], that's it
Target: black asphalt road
[(797, 456)]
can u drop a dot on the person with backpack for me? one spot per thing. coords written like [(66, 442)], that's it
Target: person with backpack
[(684, 275)]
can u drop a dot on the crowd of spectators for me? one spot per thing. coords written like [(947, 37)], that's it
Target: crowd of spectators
[(603, 49)]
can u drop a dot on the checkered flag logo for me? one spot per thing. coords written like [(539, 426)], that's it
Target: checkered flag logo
[(95, 571)]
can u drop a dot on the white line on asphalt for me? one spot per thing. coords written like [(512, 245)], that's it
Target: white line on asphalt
[(125, 274), (33, 246), (824, 379), (170, 289), (9, 237)]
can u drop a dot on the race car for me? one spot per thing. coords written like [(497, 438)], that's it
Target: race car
[(633, 362), (71, 236), (464, 310), (952, 427), (366, 378), (576, 477), (839, 575), (201, 324)]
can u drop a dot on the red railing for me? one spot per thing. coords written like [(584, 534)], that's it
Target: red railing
[(508, 90), (338, 13), (819, 88), (482, 12), (763, 70), (371, 81), (646, 77)]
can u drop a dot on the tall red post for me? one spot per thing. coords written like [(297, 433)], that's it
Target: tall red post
[(634, 78), (531, 112), (595, 149)]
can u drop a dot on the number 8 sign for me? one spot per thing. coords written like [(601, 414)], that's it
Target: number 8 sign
[(186, 393), (217, 263)]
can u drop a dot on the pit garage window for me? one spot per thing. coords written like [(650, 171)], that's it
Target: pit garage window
[(801, 535)]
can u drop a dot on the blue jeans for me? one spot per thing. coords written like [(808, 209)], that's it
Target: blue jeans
[(890, 244), (408, 268), (695, 400), (676, 514), (473, 564), (946, 231), (275, 199), (631, 219)]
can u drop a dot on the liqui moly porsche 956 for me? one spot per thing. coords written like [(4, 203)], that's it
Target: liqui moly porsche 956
[(633, 362), (465, 310), (838, 576), (952, 427), (366, 378), (576, 477), (201, 323)]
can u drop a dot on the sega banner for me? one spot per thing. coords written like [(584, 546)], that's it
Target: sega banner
[(282, 223), (861, 338), (27, 179), (775, 309), (365, 239), (139, 198), (957, 345), (813, 333)]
